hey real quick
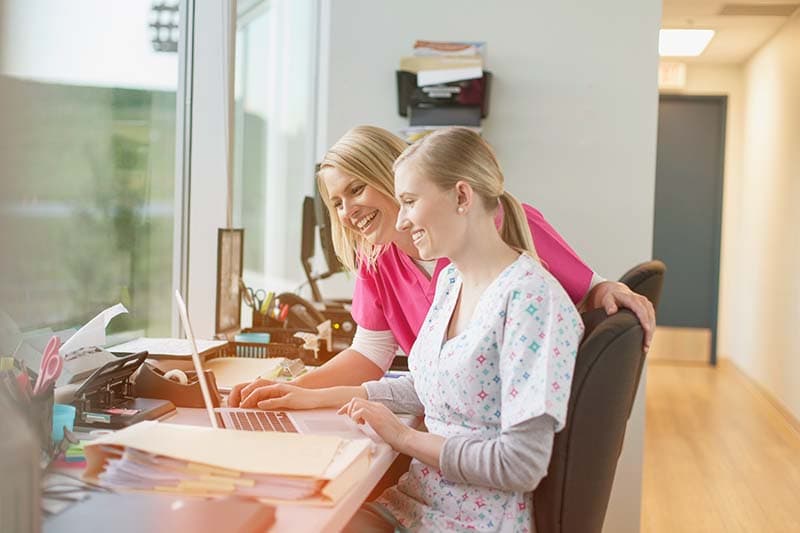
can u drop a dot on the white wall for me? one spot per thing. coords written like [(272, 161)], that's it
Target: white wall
[(572, 117), (573, 104), (763, 309)]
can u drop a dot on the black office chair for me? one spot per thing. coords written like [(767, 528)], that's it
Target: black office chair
[(646, 279), (573, 497)]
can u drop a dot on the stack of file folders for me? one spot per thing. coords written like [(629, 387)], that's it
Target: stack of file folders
[(274, 467), (443, 84)]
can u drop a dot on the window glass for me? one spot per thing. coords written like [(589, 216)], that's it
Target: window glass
[(274, 137), (87, 144)]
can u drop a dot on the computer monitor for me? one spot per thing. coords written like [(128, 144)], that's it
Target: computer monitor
[(325, 235), (316, 217)]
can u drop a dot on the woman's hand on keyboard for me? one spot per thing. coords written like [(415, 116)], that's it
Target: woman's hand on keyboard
[(285, 396), (243, 390), (282, 396)]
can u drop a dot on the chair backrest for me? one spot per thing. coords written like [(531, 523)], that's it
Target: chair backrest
[(573, 498), (646, 279)]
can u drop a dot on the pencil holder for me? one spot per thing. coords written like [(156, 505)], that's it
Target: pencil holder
[(40, 417), (263, 320)]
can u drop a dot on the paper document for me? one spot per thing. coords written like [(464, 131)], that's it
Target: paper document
[(94, 332), (166, 347), (79, 364), (435, 77), (79, 349), (230, 371)]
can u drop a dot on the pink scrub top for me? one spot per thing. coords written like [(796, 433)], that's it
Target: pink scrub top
[(397, 294)]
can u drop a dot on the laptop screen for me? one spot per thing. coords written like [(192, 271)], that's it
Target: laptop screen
[(198, 364)]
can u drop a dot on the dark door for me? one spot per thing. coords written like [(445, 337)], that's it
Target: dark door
[(688, 209)]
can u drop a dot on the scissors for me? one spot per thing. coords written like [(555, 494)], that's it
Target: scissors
[(258, 297), (50, 367)]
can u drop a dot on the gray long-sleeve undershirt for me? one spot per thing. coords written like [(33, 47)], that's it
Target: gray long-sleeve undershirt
[(515, 461)]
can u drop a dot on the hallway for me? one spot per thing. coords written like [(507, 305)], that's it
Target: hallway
[(719, 455)]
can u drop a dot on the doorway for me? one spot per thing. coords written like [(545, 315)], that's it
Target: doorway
[(688, 212)]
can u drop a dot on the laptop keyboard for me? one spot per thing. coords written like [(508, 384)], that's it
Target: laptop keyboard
[(262, 421)]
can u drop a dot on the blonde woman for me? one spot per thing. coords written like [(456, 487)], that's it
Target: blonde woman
[(491, 367), (395, 283)]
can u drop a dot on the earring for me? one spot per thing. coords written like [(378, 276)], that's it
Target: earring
[(460, 210)]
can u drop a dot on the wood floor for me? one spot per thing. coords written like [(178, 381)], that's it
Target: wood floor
[(681, 344), (719, 457)]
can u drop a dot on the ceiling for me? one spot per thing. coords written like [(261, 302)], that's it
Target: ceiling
[(741, 26)]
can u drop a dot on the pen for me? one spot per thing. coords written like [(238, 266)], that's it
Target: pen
[(266, 303)]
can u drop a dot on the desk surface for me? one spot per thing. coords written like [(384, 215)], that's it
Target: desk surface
[(300, 518)]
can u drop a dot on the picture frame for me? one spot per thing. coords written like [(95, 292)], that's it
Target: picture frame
[(230, 263)]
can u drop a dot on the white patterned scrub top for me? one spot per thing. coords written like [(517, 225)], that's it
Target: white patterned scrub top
[(513, 362)]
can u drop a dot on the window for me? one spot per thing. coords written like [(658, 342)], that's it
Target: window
[(87, 144), (274, 135)]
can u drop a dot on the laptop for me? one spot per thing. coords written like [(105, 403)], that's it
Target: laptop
[(318, 422)]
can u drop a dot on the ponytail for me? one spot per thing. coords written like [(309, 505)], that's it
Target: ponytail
[(454, 154), (514, 229)]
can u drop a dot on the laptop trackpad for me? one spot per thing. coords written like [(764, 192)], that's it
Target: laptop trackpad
[(327, 424)]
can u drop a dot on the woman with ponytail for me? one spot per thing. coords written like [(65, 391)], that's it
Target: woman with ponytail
[(394, 284), (491, 367)]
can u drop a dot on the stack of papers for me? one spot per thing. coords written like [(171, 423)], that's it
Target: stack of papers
[(437, 62), (79, 348), (136, 470), (271, 466)]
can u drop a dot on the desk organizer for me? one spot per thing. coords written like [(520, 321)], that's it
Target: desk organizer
[(282, 343), (263, 320), (456, 95), (40, 418)]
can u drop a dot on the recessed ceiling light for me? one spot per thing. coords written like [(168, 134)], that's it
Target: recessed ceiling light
[(683, 42)]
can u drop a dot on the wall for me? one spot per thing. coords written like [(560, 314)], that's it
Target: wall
[(573, 107), (763, 308), (573, 119)]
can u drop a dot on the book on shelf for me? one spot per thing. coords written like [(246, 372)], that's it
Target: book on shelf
[(440, 62), (450, 48), (417, 63)]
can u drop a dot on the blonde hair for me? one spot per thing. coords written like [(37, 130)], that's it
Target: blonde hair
[(455, 154), (366, 153)]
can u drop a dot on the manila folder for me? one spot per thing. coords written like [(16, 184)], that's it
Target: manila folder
[(341, 462)]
